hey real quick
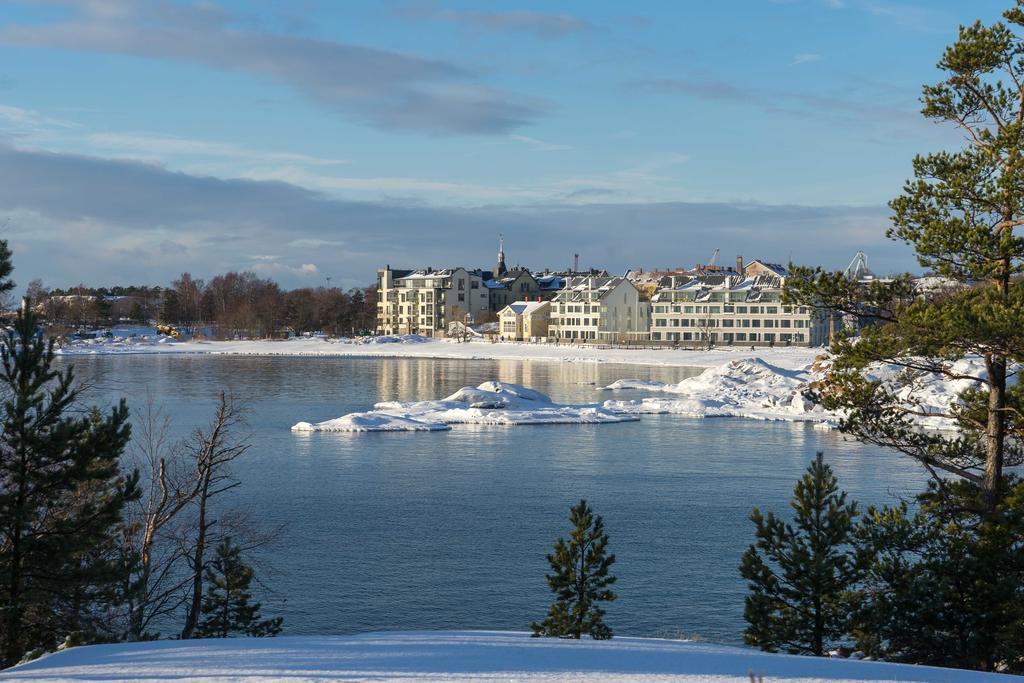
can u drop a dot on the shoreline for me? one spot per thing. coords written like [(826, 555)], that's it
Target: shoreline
[(784, 357)]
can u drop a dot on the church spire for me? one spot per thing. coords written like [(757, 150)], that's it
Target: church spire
[(501, 268)]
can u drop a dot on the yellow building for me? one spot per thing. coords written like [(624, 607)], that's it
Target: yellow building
[(524, 321)]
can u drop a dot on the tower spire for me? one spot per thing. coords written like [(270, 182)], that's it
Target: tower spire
[(501, 268)]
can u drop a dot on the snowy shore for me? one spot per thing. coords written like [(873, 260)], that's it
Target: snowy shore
[(412, 346), (459, 656)]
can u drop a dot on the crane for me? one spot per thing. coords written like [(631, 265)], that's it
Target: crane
[(714, 258), (858, 267)]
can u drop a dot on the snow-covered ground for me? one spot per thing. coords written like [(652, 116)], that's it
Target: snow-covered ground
[(424, 347), (491, 403), (458, 656), (746, 387)]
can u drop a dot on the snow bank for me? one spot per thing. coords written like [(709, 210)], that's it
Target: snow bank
[(746, 387), (754, 388), (370, 422), (414, 346), (459, 656), (491, 403)]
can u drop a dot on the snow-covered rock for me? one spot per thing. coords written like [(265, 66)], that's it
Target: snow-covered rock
[(491, 403), (370, 422), (745, 387), (460, 656)]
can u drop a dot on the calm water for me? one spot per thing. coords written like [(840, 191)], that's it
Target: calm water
[(450, 529)]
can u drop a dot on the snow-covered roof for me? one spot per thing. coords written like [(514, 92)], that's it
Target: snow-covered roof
[(526, 307), (777, 268)]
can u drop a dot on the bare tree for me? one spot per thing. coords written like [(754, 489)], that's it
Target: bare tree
[(157, 587), (212, 450)]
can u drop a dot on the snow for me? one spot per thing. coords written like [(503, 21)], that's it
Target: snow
[(491, 403), (414, 346), (757, 389), (370, 422), (746, 387), (459, 656)]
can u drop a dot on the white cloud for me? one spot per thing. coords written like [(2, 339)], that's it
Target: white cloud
[(804, 57)]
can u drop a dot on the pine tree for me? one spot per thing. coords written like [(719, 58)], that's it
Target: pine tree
[(580, 580), (940, 589), (226, 606), (962, 213), (6, 268), (799, 574), (61, 497)]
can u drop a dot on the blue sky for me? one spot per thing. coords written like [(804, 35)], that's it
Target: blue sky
[(309, 139)]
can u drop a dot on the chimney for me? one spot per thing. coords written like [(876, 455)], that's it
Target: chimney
[(739, 264)]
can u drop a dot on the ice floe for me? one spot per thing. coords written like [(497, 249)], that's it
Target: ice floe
[(370, 422), (491, 403)]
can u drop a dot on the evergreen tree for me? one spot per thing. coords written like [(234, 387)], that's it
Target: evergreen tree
[(940, 589), (6, 268), (61, 497), (226, 606), (961, 213), (799, 574), (580, 580)]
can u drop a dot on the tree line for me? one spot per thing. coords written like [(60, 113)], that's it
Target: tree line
[(229, 305)]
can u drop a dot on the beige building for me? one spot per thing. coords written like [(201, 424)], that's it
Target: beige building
[(524, 321), (727, 309), (426, 301), (607, 309)]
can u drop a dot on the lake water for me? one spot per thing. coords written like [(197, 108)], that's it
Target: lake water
[(450, 529)]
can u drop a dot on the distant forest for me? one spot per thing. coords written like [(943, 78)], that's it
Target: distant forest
[(227, 306)]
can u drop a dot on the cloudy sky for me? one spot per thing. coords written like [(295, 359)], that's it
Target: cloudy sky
[(306, 139)]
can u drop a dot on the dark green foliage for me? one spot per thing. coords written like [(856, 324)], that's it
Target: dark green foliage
[(226, 606), (942, 588), (6, 268), (961, 212), (800, 574), (61, 497), (580, 580)]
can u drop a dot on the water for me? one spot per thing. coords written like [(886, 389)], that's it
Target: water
[(450, 529)]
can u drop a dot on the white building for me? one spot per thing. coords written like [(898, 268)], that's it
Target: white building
[(425, 301), (725, 309), (599, 309)]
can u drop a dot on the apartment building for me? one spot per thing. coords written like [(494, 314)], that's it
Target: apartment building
[(729, 309), (426, 301), (591, 308)]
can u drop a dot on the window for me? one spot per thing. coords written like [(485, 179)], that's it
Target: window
[(462, 297), (741, 309), (462, 287)]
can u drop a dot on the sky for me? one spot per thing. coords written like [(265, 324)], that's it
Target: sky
[(312, 139)]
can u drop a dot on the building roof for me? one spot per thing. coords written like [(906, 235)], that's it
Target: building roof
[(526, 307)]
